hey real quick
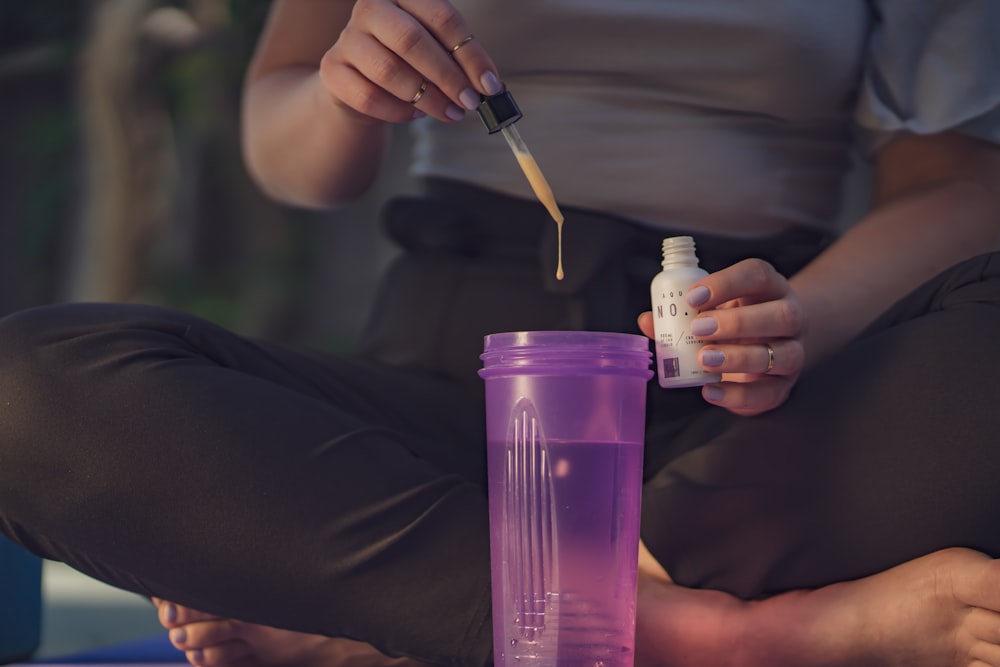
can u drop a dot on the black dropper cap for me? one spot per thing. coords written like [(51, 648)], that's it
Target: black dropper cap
[(498, 111)]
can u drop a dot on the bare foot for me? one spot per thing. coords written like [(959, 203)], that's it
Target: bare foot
[(940, 610), (210, 641)]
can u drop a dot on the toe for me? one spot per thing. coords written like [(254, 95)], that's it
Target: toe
[(219, 655), (204, 634), (973, 577), (986, 653), (983, 625), (173, 615)]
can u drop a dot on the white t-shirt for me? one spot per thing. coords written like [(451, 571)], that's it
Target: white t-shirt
[(730, 116)]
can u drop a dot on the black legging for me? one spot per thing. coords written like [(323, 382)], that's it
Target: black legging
[(345, 496)]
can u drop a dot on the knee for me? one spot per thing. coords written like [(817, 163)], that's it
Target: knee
[(22, 334), (734, 517), (744, 546), (23, 392), (43, 351)]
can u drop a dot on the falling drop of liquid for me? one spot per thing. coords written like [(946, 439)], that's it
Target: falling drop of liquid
[(544, 194)]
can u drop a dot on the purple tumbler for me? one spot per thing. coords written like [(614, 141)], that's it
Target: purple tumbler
[(565, 413)]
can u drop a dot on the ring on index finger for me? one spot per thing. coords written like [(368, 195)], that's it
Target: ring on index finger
[(462, 43), (770, 358), (420, 92)]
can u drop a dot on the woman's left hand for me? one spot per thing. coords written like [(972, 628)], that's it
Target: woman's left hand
[(752, 323)]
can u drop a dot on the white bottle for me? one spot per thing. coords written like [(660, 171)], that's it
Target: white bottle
[(676, 348)]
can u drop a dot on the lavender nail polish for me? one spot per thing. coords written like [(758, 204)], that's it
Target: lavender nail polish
[(698, 296), (178, 635), (713, 357), (170, 613), (469, 99), (490, 83), (704, 326), (712, 392)]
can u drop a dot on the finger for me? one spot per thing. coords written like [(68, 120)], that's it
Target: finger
[(783, 318), (751, 281), (749, 398), (405, 34), (378, 83), (408, 46), (754, 358), (354, 92), (645, 322), (457, 38)]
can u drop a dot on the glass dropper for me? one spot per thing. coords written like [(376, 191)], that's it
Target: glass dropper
[(499, 113)]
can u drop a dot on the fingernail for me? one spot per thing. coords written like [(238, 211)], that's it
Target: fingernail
[(197, 656), (417, 114), (178, 635), (698, 296), (469, 99), (454, 112), (703, 326), (170, 613), (712, 392), (490, 83), (713, 357)]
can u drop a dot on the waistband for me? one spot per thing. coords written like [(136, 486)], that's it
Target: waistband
[(467, 220)]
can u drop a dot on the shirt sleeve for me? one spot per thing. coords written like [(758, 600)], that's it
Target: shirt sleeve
[(930, 66)]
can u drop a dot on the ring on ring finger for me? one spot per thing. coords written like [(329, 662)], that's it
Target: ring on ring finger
[(770, 358), (462, 43), (420, 92)]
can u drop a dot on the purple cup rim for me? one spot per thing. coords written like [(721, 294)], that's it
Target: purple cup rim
[(587, 339), (566, 353)]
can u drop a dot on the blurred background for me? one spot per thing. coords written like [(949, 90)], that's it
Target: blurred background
[(122, 180)]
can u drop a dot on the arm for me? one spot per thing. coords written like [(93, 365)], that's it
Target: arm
[(936, 202), (299, 144), (329, 75)]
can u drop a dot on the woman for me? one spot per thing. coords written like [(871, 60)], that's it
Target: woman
[(809, 509)]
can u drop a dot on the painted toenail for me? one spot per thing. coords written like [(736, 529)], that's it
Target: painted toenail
[(170, 613), (178, 635), (197, 656)]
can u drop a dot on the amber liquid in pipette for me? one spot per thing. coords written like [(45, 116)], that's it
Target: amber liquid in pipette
[(544, 194)]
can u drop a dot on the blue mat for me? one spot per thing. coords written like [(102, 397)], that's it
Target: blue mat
[(20, 601), (156, 649)]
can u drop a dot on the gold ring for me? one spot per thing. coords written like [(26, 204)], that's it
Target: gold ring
[(420, 92), (462, 43), (770, 358)]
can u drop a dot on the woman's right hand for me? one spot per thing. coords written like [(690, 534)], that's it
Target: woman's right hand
[(397, 60)]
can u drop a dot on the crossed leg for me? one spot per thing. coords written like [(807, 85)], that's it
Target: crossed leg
[(940, 610)]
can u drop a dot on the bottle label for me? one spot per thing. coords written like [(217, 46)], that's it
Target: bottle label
[(676, 348)]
